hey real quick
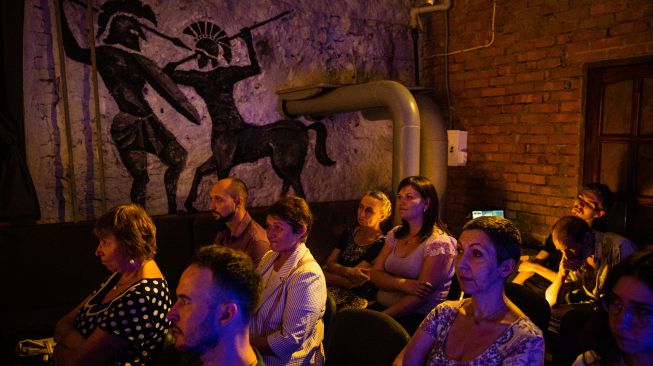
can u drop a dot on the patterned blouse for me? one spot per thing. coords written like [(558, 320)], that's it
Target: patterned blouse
[(521, 343), (410, 266), (138, 315)]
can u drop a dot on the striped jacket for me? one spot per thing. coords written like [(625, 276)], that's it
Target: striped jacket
[(291, 309)]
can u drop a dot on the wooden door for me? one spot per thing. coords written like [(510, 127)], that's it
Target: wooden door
[(618, 147)]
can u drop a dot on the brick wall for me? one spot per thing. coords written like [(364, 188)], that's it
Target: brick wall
[(521, 98)]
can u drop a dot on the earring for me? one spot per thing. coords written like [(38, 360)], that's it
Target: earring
[(424, 209), (131, 261)]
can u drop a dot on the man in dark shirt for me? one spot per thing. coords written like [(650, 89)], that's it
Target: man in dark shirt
[(237, 228)]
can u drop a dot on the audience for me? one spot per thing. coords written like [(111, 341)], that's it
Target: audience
[(414, 269), (587, 257), (623, 333), (538, 271), (486, 329), (123, 322), (347, 269), (237, 230), (287, 327), (216, 297)]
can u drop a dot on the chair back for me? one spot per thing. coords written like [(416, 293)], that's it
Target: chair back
[(328, 319), (364, 337), (535, 307)]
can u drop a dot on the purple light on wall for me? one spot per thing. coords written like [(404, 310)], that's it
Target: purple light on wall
[(59, 174)]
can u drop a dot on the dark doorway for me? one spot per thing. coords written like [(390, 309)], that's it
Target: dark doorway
[(619, 142)]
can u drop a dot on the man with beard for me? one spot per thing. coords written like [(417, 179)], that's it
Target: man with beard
[(237, 228), (216, 296)]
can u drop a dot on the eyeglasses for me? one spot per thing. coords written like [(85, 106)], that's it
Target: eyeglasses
[(640, 314)]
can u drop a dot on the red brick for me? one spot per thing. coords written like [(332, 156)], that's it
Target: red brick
[(570, 107), (531, 178), (544, 42), (562, 181), (518, 168), (544, 107), (611, 7), (519, 88), (480, 83), (548, 63), (531, 56), (502, 80), (544, 169), (549, 85), (630, 27), (518, 187), (528, 98), (493, 92), (530, 76), (532, 198), (565, 95)]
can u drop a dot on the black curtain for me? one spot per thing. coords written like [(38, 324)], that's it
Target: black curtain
[(18, 200)]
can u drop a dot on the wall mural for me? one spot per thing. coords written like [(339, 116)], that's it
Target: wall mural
[(192, 84)]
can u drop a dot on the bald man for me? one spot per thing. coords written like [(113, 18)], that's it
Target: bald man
[(237, 228)]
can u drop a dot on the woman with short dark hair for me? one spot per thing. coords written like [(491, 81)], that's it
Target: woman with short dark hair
[(486, 329), (287, 326), (123, 322)]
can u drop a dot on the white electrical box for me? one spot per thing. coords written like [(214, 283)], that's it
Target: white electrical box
[(457, 147)]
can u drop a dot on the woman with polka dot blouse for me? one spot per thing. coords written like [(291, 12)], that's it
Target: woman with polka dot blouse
[(123, 322)]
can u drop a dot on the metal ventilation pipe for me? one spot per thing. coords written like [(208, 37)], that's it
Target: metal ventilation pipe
[(385, 100), (377, 94)]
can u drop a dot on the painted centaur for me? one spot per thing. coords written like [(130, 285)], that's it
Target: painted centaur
[(284, 141), (233, 141)]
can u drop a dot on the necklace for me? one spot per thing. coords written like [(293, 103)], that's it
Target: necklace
[(479, 319), (127, 282)]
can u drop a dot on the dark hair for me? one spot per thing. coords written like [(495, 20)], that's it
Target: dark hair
[(234, 273), (133, 229), (431, 219), (295, 211), (572, 228), (603, 192), (238, 188), (503, 234), (638, 265)]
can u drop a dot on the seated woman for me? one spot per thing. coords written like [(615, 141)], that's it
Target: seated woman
[(415, 267), (123, 322), (486, 329), (287, 326), (623, 333), (347, 269)]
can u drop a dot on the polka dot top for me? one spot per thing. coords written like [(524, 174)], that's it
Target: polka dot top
[(138, 315)]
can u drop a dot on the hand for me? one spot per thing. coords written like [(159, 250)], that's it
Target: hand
[(526, 267), (358, 275), (246, 34), (418, 288), (571, 264)]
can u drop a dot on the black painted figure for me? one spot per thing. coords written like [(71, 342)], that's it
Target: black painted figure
[(233, 141), (135, 130)]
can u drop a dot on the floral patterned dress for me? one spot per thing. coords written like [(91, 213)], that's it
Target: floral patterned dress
[(521, 343)]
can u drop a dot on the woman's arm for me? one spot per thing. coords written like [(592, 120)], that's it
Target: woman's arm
[(434, 271), (65, 332), (97, 349), (415, 352), (347, 277)]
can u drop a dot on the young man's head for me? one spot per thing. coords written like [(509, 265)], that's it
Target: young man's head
[(216, 297), (228, 199), (574, 238), (592, 202)]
